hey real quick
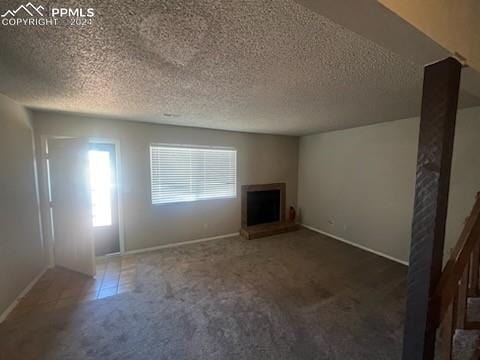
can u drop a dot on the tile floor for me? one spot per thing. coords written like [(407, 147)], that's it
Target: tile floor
[(60, 287)]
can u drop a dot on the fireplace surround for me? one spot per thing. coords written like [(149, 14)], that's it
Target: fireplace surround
[(263, 211)]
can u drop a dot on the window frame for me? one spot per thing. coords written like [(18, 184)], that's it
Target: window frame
[(188, 146)]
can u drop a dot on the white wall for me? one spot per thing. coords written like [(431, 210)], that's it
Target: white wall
[(21, 248), (260, 159), (358, 184)]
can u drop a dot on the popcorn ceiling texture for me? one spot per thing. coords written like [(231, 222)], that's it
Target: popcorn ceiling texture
[(259, 66)]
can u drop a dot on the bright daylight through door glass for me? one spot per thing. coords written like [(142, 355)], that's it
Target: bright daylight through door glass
[(100, 187)]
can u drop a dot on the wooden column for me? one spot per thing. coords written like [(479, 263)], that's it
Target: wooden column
[(437, 129)]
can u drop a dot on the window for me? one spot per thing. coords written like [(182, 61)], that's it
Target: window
[(181, 173)]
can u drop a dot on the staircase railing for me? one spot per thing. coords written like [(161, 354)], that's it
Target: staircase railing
[(458, 282)]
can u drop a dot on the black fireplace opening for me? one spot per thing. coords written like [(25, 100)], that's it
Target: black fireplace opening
[(263, 207)]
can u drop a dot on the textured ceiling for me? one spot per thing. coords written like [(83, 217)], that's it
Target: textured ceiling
[(258, 66)]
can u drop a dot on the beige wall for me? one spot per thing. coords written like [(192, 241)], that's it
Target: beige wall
[(454, 24), (21, 249), (260, 159), (358, 184)]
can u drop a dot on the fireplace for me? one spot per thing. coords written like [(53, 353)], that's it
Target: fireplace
[(263, 207), (263, 210)]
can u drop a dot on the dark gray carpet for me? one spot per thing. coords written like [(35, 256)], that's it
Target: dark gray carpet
[(292, 296)]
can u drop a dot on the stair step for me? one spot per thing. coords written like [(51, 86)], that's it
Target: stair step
[(466, 343), (473, 310)]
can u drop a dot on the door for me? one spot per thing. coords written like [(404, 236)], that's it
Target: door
[(70, 205), (102, 161)]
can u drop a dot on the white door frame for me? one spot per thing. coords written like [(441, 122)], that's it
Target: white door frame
[(45, 191)]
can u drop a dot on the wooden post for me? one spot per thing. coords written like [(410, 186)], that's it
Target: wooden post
[(435, 148), (474, 272), (462, 300)]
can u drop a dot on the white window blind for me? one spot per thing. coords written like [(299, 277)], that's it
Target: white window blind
[(181, 174)]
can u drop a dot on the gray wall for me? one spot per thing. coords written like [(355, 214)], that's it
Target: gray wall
[(358, 184), (21, 248), (260, 159)]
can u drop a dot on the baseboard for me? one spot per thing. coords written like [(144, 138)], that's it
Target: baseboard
[(108, 256), (355, 244), (24, 292), (160, 247)]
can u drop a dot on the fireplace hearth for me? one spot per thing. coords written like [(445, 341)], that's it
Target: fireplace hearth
[(263, 211)]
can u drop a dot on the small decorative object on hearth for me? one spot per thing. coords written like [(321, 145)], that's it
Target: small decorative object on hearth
[(292, 214)]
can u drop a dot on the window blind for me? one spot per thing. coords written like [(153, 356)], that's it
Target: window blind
[(181, 174)]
